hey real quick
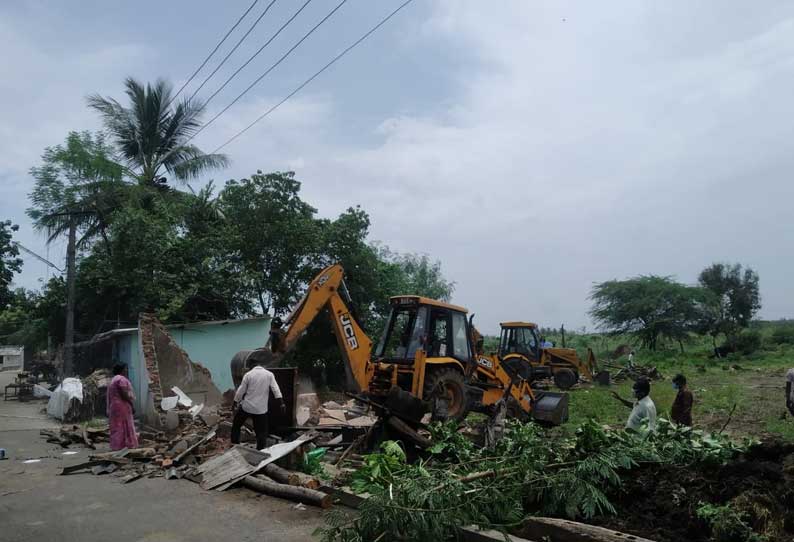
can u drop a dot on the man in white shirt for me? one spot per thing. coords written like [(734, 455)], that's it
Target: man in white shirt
[(790, 391), (643, 409), (251, 400)]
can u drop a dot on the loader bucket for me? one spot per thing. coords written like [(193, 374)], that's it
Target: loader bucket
[(550, 407)]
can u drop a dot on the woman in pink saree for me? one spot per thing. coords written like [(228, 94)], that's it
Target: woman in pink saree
[(120, 401)]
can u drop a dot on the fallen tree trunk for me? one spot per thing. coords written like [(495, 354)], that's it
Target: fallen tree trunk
[(280, 475), (283, 491), (292, 478)]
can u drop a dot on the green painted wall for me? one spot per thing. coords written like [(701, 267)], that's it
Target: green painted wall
[(214, 344)]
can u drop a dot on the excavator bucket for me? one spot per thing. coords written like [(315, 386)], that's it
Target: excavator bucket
[(550, 407)]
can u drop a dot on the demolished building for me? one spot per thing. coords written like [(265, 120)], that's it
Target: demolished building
[(192, 357)]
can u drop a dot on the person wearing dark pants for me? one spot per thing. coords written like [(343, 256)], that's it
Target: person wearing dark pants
[(251, 400)]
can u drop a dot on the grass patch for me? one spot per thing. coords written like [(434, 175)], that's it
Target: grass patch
[(753, 383)]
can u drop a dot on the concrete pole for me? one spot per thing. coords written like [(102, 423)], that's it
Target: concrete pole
[(68, 350)]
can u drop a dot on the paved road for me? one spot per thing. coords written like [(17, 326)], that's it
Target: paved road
[(38, 505)]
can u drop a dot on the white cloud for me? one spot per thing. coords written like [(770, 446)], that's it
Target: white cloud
[(581, 142)]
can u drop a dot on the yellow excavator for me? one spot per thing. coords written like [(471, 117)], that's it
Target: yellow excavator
[(425, 356), (522, 351)]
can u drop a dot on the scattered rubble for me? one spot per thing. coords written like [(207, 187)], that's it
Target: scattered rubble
[(195, 446)]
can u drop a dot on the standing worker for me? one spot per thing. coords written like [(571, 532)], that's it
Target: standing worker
[(790, 391), (681, 411), (251, 400), (642, 409)]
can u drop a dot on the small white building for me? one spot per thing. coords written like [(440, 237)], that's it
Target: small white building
[(12, 357)]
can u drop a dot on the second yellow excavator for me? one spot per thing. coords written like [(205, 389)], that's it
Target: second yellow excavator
[(522, 351), (425, 353)]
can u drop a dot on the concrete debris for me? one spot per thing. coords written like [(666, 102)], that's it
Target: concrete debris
[(190, 440), (362, 421), (303, 415), (184, 400), (169, 403), (308, 400)]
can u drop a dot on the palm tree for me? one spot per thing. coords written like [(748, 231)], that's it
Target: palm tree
[(153, 136)]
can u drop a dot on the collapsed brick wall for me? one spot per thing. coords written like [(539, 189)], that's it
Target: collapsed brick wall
[(173, 366), (146, 324)]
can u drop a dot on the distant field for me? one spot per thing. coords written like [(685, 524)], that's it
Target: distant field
[(754, 383)]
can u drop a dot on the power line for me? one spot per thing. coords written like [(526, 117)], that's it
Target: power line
[(241, 40), (316, 74), (213, 51), (232, 76), (40, 258), (271, 68)]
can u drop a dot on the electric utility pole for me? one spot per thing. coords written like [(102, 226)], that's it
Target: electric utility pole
[(68, 350)]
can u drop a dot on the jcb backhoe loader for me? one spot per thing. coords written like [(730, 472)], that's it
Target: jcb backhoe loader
[(425, 353), (521, 351)]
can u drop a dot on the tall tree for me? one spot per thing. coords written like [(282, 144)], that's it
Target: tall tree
[(274, 236), (10, 262), (423, 276), (76, 181), (153, 134), (650, 307), (734, 299)]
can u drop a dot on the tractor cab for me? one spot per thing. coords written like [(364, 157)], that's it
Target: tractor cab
[(425, 348), (519, 338), (415, 322)]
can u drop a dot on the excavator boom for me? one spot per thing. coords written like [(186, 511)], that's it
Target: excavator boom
[(328, 291)]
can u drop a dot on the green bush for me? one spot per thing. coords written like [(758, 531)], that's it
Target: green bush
[(726, 524), (783, 335), (748, 342)]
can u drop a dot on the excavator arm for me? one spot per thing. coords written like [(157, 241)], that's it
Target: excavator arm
[(328, 291)]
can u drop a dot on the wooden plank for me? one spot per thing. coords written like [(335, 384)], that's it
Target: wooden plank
[(224, 468), (209, 436), (563, 530), (472, 533), (276, 452), (81, 466), (338, 415)]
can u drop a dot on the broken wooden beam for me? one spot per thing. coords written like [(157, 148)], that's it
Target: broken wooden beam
[(284, 491), (345, 496), (209, 436), (563, 530), (71, 469)]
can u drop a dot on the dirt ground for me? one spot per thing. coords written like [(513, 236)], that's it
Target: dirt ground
[(38, 504), (661, 503)]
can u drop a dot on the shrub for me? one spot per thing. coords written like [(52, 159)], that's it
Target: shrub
[(783, 335), (748, 342)]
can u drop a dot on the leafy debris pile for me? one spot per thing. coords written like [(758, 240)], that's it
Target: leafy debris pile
[(527, 472)]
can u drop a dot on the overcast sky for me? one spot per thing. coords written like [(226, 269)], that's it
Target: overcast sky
[(533, 147)]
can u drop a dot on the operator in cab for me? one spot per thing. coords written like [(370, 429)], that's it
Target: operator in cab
[(277, 335), (642, 409)]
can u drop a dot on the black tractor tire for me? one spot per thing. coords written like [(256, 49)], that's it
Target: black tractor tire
[(565, 378), (453, 384)]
